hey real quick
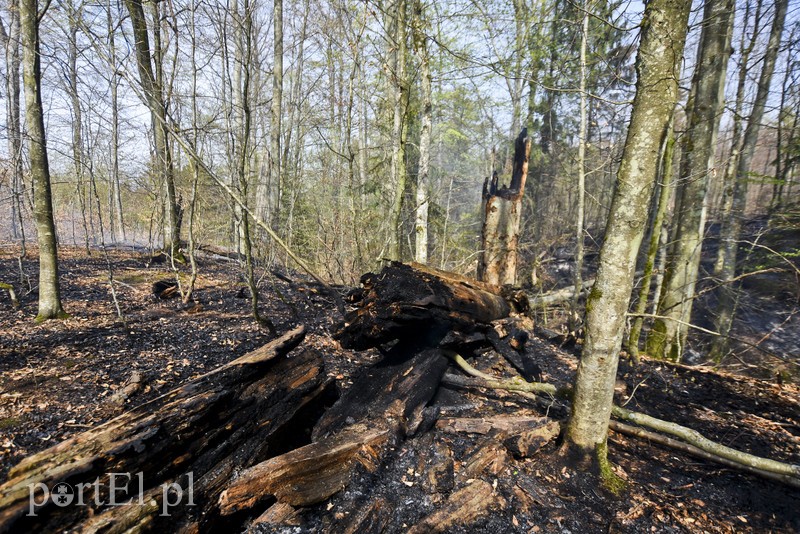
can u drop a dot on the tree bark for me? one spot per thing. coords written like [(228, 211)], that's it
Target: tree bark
[(398, 97), (118, 223), (668, 336), (660, 52), (49, 292), (582, 141), (502, 212), (11, 42), (657, 231)]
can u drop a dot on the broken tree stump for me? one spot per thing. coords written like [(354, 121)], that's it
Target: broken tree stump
[(418, 302), (192, 438), (502, 211)]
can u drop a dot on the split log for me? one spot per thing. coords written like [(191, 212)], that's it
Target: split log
[(372, 519), (195, 437), (127, 390), (500, 425), (310, 474), (502, 211), (384, 404), (489, 458), (418, 302), (463, 507), (278, 514)]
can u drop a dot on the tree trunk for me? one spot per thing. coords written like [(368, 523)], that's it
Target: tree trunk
[(502, 212), (656, 238), (81, 191), (207, 429), (663, 36), (49, 291), (151, 83), (11, 42), (732, 225), (398, 91), (668, 336), (276, 110), (582, 129), (118, 223), (404, 300), (423, 204)]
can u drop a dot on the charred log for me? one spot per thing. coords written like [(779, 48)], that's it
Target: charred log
[(196, 435), (418, 302)]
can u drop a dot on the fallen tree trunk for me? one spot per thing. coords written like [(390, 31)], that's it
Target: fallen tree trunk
[(180, 447), (421, 302), (558, 296)]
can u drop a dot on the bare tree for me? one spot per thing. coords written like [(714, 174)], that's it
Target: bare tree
[(49, 291), (732, 223), (668, 336), (149, 62), (423, 202), (398, 96)]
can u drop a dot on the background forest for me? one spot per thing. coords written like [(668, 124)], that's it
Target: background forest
[(359, 131)]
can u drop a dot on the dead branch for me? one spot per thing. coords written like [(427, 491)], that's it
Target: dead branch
[(654, 437), (716, 452)]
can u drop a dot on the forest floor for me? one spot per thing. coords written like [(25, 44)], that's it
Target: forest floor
[(56, 379)]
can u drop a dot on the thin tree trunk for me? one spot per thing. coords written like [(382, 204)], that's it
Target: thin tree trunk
[(423, 204), (116, 194), (732, 225), (11, 42), (398, 92), (663, 36), (49, 291), (667, 338), (276, 111), (151, 81), (657, 236), (578, 275), (77, 125)]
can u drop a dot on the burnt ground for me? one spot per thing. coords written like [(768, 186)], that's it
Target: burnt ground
[(56, 379)]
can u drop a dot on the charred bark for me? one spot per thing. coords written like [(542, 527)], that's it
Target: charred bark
[(502, 210), (417, 302)]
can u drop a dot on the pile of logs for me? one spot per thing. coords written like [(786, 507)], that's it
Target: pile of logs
[(266, 435)]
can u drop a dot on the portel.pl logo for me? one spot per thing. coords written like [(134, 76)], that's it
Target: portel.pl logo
[(120, 487)]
